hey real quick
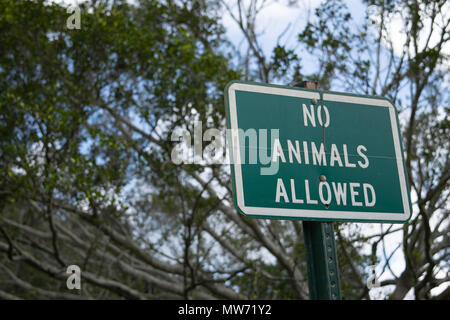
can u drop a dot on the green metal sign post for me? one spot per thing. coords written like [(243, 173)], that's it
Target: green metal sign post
[(321, 257), (323, 271), (300, 153)]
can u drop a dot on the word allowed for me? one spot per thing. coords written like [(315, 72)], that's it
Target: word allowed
[(337, 190)]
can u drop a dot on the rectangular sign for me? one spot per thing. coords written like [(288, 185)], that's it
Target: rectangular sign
[(302, 154)]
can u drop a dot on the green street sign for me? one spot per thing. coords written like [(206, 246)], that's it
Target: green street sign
[(304, 154)]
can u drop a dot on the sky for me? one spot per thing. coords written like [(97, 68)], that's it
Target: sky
[(278, 17)]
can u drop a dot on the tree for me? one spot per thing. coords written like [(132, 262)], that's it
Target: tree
[(70, 103), (86, 120)]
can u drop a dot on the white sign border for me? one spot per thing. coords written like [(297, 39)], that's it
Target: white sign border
[(315, 214)]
